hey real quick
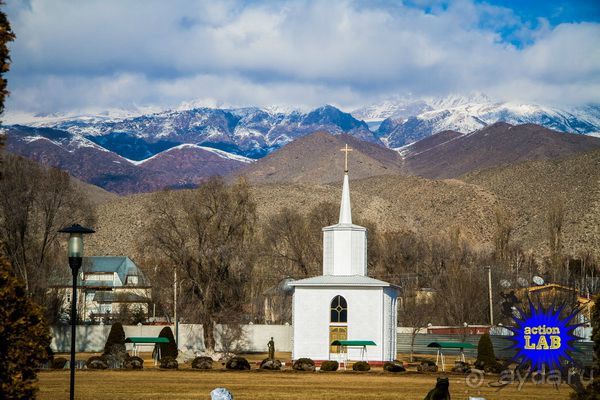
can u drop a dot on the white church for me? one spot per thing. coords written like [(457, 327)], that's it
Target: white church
[(344, 304)]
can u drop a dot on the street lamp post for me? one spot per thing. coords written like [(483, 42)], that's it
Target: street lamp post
[(75, 253)]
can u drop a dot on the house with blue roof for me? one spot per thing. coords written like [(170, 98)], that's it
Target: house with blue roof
[(106, 287)]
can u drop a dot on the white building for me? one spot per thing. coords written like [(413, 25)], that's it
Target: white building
[(344, 303), (105, 287)]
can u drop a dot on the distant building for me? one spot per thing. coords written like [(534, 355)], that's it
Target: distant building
[(107, 286)]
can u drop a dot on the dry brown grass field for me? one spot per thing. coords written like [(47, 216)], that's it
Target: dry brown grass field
[(152, 383)]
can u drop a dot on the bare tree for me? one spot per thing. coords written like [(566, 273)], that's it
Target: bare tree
[(504, 227), (414, 314), (208, 234), (554, 224), (35, 202)]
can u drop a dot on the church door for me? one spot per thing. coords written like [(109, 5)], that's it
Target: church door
[(338, 330), (337, 333)]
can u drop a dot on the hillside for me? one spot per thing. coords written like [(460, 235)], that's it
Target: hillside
[(448, 155), (393, 202), (176, 167), (528, 189), (429, 207), (317, 158)]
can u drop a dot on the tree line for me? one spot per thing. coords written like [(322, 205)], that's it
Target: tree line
[(231, 265)]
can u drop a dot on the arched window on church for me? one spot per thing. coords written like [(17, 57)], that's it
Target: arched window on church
[(339, 310)]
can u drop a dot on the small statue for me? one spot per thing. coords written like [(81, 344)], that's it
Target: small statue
[(440, 391), (271, 346)]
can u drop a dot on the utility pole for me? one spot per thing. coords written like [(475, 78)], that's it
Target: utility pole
[(175, 306), (489, 268)]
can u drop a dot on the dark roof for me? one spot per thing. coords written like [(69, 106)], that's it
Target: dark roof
[(451, 345), (112, 297)]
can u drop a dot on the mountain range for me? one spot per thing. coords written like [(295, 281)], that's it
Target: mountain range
[(181, 148)]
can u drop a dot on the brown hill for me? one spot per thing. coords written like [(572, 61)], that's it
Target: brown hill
[(447, 156), (429, 207), (528, 189), (316, 158), (180, 166), (393, 202)]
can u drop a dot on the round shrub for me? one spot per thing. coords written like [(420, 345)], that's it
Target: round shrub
[(393, 366), (203, 362), (361, 366), (427, 366), (96, 362), (329, 365), (168, 363), (304, 364), (58, 363), (134, 362), (269, 364), (238, 363)]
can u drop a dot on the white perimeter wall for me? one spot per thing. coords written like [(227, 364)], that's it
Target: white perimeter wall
[(311, 321), (91, 338)]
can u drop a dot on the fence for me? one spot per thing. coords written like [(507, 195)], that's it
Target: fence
[(501, 344), (254, 338), (91, 338)]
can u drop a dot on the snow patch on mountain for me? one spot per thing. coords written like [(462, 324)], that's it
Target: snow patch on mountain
[(220, 153)]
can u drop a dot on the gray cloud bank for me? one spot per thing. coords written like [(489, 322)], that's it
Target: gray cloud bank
[(98, 54)]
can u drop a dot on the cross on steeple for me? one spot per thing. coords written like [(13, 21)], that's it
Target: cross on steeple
[(346, 150)]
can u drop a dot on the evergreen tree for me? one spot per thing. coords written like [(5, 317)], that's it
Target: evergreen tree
[(6, 36), (167, 349), (24, 337), (115, 343), (486, 359)]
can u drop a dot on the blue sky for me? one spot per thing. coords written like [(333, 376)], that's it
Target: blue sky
[(89, 56)]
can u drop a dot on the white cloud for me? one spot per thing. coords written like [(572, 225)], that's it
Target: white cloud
[(103, 54)]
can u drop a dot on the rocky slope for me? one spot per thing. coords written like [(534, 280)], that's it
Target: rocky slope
[(450, 154), (317, 158)]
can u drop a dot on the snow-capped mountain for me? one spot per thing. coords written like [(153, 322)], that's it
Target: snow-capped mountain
[(404, 121), (251, 131)]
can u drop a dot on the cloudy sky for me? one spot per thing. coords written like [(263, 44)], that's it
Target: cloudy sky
[(87, 56)]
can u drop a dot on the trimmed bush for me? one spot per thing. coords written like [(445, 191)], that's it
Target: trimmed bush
[(427, 366), (134, 362), (461, 367), (115, 343), (58, 363), (269, 364), (96, 362), (203, 362), (486, 360), (167, 349), (237, 363), (361, 366), (169, 363), (304, 364), (393, 366), (329, 366)]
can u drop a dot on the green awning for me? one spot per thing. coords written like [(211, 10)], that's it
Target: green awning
[(146, 340), (353, 343), (451, 345)]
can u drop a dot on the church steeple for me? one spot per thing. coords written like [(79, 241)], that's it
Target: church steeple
[(345, 209), (345, 244)]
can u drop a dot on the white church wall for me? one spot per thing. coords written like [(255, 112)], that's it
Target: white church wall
[(365, 321)]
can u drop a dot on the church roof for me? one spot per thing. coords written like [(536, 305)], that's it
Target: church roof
[(341, 280)]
